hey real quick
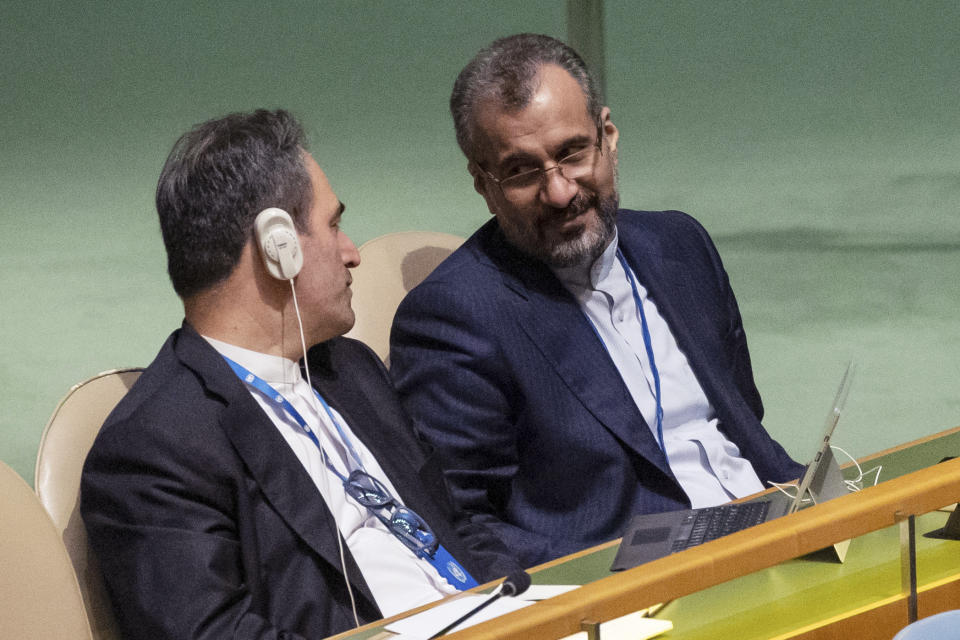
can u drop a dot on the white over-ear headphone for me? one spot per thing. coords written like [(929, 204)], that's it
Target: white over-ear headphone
[(279, 247)]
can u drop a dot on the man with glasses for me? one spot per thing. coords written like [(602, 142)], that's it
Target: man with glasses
[(247, 487), (574, 363)]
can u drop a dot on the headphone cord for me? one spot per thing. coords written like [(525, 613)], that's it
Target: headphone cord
[(323, 454)]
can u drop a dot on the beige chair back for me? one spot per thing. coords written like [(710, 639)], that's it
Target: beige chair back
[(39, 594), (66, 440), (390, 266)]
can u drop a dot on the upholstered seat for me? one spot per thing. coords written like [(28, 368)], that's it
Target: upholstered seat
[(390, 266), (66, 440), (39, 594)]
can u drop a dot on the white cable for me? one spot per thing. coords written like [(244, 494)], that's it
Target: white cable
[(323, 455), (783, 486), (856, 484)]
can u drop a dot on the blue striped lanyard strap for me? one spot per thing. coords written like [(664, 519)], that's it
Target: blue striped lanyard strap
[(273, 395), (403, 523), (647, 343)]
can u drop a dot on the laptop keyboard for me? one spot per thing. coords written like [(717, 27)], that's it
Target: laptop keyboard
[(711, 523)]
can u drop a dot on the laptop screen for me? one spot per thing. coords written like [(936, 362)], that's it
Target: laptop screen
[(823, 451)]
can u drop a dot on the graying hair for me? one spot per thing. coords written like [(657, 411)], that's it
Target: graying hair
[(506, 71)]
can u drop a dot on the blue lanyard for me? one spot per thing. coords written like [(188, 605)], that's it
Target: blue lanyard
[(648, 344), (439, 557), (264, 388)]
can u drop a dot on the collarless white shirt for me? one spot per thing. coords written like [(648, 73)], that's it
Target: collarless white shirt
[(706, 463), (398, 579)]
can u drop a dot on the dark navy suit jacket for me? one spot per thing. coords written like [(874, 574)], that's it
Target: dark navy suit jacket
[(204, 521), (503, 374)]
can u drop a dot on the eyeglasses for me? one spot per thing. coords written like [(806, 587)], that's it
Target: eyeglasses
[(402, 522), (524, 184)]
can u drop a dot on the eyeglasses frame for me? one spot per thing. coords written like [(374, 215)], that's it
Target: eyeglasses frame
[(543, 171), (403, 522)]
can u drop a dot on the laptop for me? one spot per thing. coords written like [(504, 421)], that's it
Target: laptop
[(655, 535)]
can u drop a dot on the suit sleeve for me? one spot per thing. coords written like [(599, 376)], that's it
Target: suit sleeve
[(161, 527), (736, 337), (453, 381)]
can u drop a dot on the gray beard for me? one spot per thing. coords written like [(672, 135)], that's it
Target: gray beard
[(588, 246)]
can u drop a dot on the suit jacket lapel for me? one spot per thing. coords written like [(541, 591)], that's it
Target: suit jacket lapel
[(674, 289), (396, 450), (395, 456), (358, 387), (281, 477), (554, 322)]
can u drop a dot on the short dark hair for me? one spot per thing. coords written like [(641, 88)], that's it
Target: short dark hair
[(217, 178), (506, 71)]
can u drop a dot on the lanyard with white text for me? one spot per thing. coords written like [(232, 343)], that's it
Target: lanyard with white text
[(648, 344), (440, 558), (263, 387)]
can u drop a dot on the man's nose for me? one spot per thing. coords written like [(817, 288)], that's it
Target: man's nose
[(557, 191), (348, 251)]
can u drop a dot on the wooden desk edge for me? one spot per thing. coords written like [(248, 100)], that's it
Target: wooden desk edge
[(744, 552), (379, 624)]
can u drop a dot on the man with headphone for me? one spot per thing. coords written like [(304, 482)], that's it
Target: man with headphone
[(247, 485)]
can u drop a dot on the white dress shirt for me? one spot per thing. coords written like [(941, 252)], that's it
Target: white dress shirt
[(706, 463), (397, 578)]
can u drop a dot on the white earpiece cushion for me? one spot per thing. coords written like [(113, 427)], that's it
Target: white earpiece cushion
[(279, 246)]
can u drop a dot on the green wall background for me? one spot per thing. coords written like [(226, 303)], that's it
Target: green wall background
[(818, 141)]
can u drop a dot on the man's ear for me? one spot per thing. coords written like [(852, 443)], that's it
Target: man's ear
[(481, 184), (610, 131)]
